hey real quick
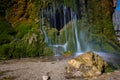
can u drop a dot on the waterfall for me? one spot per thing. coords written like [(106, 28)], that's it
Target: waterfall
[(56, 45), (66, 38), (58, 49), (76, 35), (64, 11), (74, 24), (43, 26)]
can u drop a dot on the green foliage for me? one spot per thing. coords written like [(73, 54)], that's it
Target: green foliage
[(29, 44), (71, 3), (11, 50), (3, 51), (3, 6), (43, 3), (47, 52), (6, 31), (35, 49), (26, 41), (51, 33), (5, 27), (22, 29), (5, 38), (100, 42), (67, 53), (110, 68), (21, 49), (100, 18), (102, 33)]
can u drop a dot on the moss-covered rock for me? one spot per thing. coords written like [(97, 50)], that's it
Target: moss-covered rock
[(86, 65)]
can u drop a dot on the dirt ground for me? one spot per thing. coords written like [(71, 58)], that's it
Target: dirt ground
[(34, 69)]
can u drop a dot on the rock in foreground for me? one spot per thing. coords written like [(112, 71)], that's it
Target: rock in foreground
[(85, 66)]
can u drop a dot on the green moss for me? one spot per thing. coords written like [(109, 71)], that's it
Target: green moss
[(20, 49), (6, 31), (100, 42), (110, 68), (47, 52), (99, 14), (22, 29), (8, 51), (5, 26), (5, 38), (20, 45), (67, 53), (71, 3), (3, 6)]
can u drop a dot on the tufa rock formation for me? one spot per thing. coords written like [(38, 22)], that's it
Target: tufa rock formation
[(85, 66)]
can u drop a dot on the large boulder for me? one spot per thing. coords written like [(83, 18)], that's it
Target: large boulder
[(86, 65)]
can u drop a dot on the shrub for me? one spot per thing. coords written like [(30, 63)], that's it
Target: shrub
[(22, 29)]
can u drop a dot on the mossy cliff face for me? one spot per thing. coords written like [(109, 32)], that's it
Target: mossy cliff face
[(102, 30), (95, 26), (20, 23), (100, 14), (21, 11), (21, 35)]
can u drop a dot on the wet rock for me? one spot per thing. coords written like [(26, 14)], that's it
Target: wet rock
[(86, 65)]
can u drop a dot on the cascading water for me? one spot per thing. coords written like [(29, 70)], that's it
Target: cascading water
[(66, 38), (43, 26), (58, 48), (64, 11), (74, 25)]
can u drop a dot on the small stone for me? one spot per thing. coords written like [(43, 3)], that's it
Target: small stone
[(45, 77)]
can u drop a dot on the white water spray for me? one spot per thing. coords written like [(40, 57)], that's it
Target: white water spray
[(74, 25)]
